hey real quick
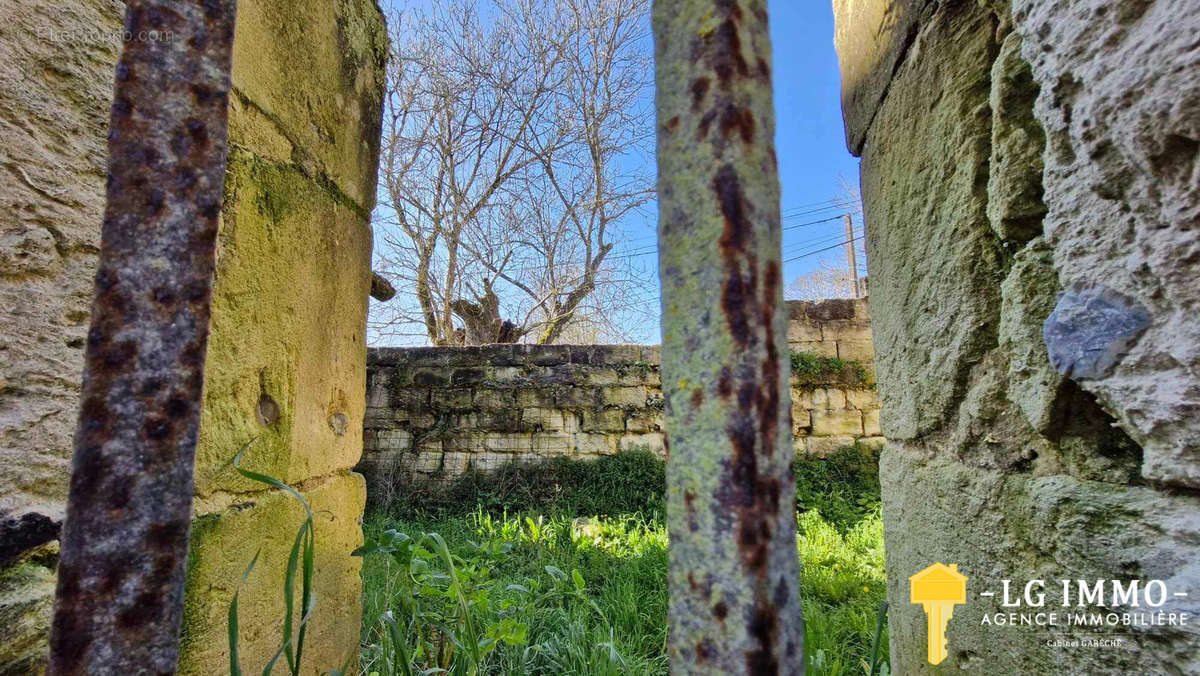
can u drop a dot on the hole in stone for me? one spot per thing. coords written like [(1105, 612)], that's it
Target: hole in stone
[(268, 410)]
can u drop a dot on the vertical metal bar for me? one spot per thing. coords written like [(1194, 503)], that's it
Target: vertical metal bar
[(850, 261), (733, 574), (125, 540)]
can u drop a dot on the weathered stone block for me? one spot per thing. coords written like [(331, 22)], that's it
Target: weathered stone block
[(315, 70), (549, 419), (856, 350), (936, 264), (803, 331), (577, 397), (535, 398), (863, 400), (828, 398), (870, 422), (818, 347), (801, 421), (623, 396), (224, 543), (1015, 206), (603, 420), (822, 447), (452, 398), (594, 444), (489, 399), (506, 442), (551, 444), (833, 422), (802, 397), (651, 442), (646, 421)]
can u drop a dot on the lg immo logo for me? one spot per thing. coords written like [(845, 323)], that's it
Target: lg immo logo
[(938, 589)]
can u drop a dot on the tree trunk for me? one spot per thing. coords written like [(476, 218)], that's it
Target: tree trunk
[(734, 573)]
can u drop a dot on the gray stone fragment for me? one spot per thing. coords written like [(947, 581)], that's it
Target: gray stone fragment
[(1089, 331)]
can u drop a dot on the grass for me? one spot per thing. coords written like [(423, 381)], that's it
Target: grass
[(561, 568)]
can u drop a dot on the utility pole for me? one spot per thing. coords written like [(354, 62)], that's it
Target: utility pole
[(850, 260)]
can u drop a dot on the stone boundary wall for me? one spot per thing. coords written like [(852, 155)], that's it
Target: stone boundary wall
[(435, 411)]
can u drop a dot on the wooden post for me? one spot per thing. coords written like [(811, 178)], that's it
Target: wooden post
[(734, 573)]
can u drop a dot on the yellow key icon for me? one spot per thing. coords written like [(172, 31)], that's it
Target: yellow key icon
[(938, 589)]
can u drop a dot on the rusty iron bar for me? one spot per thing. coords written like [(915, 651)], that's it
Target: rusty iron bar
[(734, 571), (125, 539)]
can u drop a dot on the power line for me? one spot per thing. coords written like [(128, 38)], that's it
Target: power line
[(810, 253), (801, 225)]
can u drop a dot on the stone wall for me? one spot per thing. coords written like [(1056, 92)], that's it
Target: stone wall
[(434, 412), (1029, 174), (286, 352)]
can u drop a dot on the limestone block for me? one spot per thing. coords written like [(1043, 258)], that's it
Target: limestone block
[(1001, 525), (801, 421), (315, 70), (820, 348), (645, 421), (623, 396), (863, 400), (803, 331), (490, 462), (828, 398), (553, 443), (936, 263), (870, 421), (874, 444), (1027, 298), (392, 440), (1120, 104), (535, 398), (426, 462), (455, 463), (1015, 206), (856, 350), (489, 399), (503, 374), (409, 398), (285, 349), (839, 330), (453, 398), (605, 376), (594, 444), (56, 74), (872, 38), (802, 398), (652, 442), (603, 420), (430, 377), (549, 419), (822, 447), (577, 397), (832, 422), (222, 546), (506, 442)]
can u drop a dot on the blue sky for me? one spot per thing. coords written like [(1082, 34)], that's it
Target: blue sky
[(814, 164)]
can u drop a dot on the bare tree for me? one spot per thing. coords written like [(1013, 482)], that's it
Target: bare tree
[(826, 281), (516, 142)]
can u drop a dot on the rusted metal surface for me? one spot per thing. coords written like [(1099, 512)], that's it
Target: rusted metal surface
[(734, 573), (125, 540)]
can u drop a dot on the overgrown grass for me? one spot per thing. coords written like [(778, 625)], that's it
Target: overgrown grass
[(561, 568)]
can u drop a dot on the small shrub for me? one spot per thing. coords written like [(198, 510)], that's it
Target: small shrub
[(814, 369)]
